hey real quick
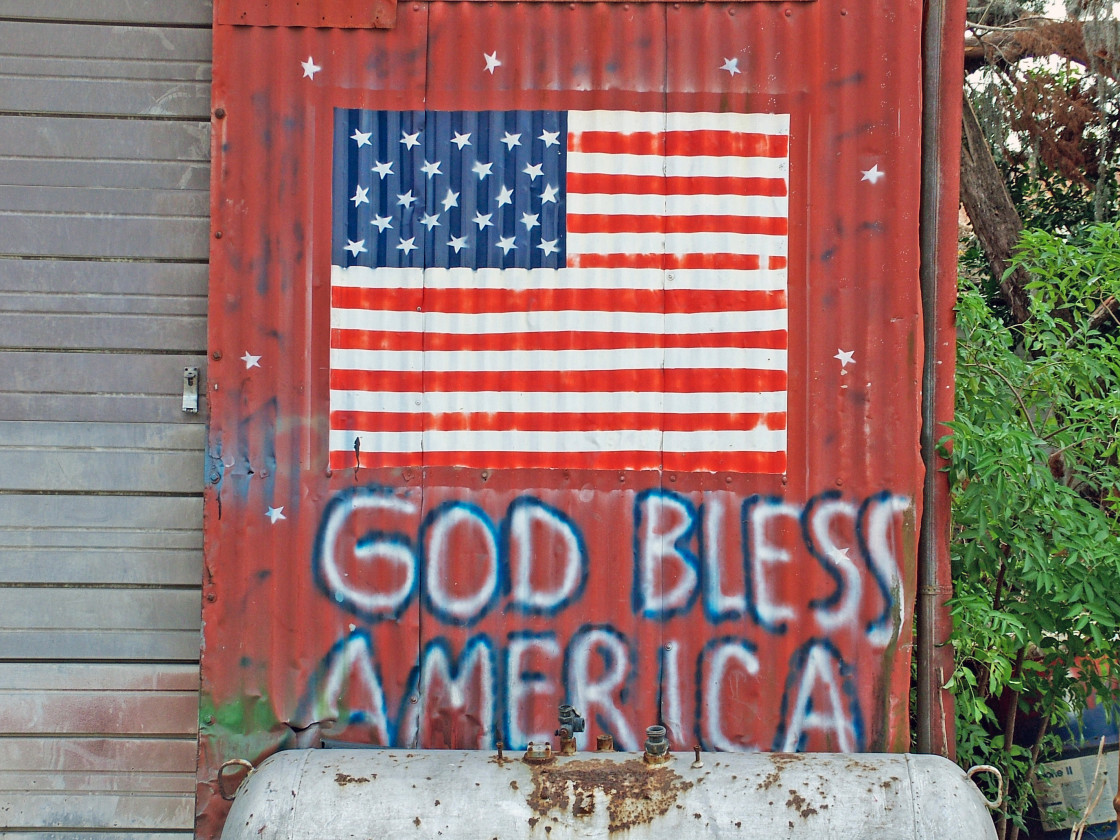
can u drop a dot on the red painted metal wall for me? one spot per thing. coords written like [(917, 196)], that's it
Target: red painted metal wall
[(445, 606)]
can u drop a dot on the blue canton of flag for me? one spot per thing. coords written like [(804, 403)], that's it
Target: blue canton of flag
[(425, 189)]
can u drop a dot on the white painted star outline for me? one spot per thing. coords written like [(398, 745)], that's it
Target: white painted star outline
[(505, 196), (550, 138), (355, 248), (506, 244), (549, 194), (511, 140), (310, 68), (410, 140), (275, 513), (360, 196), (845, 357), (492, 61), (382, 169), (873, 174), (431, 169), (461, 140), (458, 243), (250, 360), (731, 65), (382, 223)]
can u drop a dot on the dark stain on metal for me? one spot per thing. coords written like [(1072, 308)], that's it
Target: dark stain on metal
[(343, 779), (513, 784), (635, 793), (800, 804), (416, 821)]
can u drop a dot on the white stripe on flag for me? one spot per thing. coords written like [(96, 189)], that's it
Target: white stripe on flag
[(764, 206), (551, 402), (676, 243), (668, 358), (559, 321), (627, 122), (697, 166), (514, 440)]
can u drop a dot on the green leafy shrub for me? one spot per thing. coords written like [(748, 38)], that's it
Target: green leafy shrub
[(1035, 480)]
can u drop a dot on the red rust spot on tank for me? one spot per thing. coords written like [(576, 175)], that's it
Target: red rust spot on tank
[(635, 792), (343, 779)]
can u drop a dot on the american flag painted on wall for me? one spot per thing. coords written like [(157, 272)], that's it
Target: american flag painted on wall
[(599, 289)]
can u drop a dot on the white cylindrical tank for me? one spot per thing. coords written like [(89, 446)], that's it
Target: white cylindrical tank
[(328, 794)]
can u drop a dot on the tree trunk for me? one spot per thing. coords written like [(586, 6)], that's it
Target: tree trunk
[(992, 213)]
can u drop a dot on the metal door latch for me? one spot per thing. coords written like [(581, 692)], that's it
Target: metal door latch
[(190, 390)]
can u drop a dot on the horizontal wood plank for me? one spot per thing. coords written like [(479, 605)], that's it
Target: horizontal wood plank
[(136, 678), (96, 386), (92, 610), (32, 48), (115, 285), (100, 566), (103, 781), (99, 713), (137, 237), (119, 645), (199, 12), (73, 755), (108, 810), (155, 521)]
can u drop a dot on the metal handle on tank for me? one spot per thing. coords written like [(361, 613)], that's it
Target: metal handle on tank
[(987, 768), (238, 762)]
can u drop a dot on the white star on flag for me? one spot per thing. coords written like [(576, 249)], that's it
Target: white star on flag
[(450, 200), (310, 68), (407, 245), (430, 220), (505, 196), (483, 169), (506, 244), (360, 196), (382, 222), (275, 513), (431, 169), (355, 248), (511, 140), (873, 174), (383, 169), (549, 194), (731, 65), (530, 220), (491, 61), (458, 243), (250, 360), (361, 138), (410, 140), (533, 170), (406, 199), (482, 221), (550, 138), (461, 140), (548, 246), (845, 357)]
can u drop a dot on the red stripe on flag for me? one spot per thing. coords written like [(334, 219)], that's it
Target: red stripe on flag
[(680, 143), (597, 183), (623, 223), (381, 340), (738, 462), (471, 301), (679, 381)]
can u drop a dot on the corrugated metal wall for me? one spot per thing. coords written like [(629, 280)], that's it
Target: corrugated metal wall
[(104, 146)]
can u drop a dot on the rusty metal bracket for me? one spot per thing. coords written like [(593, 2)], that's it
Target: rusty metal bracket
[(233, 762)]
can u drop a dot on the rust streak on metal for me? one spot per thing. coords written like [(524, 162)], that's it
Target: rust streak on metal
[(343, 779), (635, 793)]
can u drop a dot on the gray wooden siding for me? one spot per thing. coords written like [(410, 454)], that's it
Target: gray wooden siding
[(104, 176)]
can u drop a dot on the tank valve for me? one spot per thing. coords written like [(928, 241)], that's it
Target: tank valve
[(604, 743), (538, 753), (570, 724), (657, 745)]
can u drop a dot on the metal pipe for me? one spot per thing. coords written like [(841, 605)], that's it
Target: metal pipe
[(941, 81)]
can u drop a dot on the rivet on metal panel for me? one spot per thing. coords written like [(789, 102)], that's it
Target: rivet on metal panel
[(571, 5), (214, 477), (500, 745), (216, 355), (789, 12), (220, 113), (731, 11), (211, 597), (697, 763), (622, 476), (264, 473), (217, 234), (329, 472), (839, 482), (407, 474), (415, 7), (845, 12), (485, 475), (727, 479), (672, 477), (413, 699)]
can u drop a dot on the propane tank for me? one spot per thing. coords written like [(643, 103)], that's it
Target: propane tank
[(331, 794)]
